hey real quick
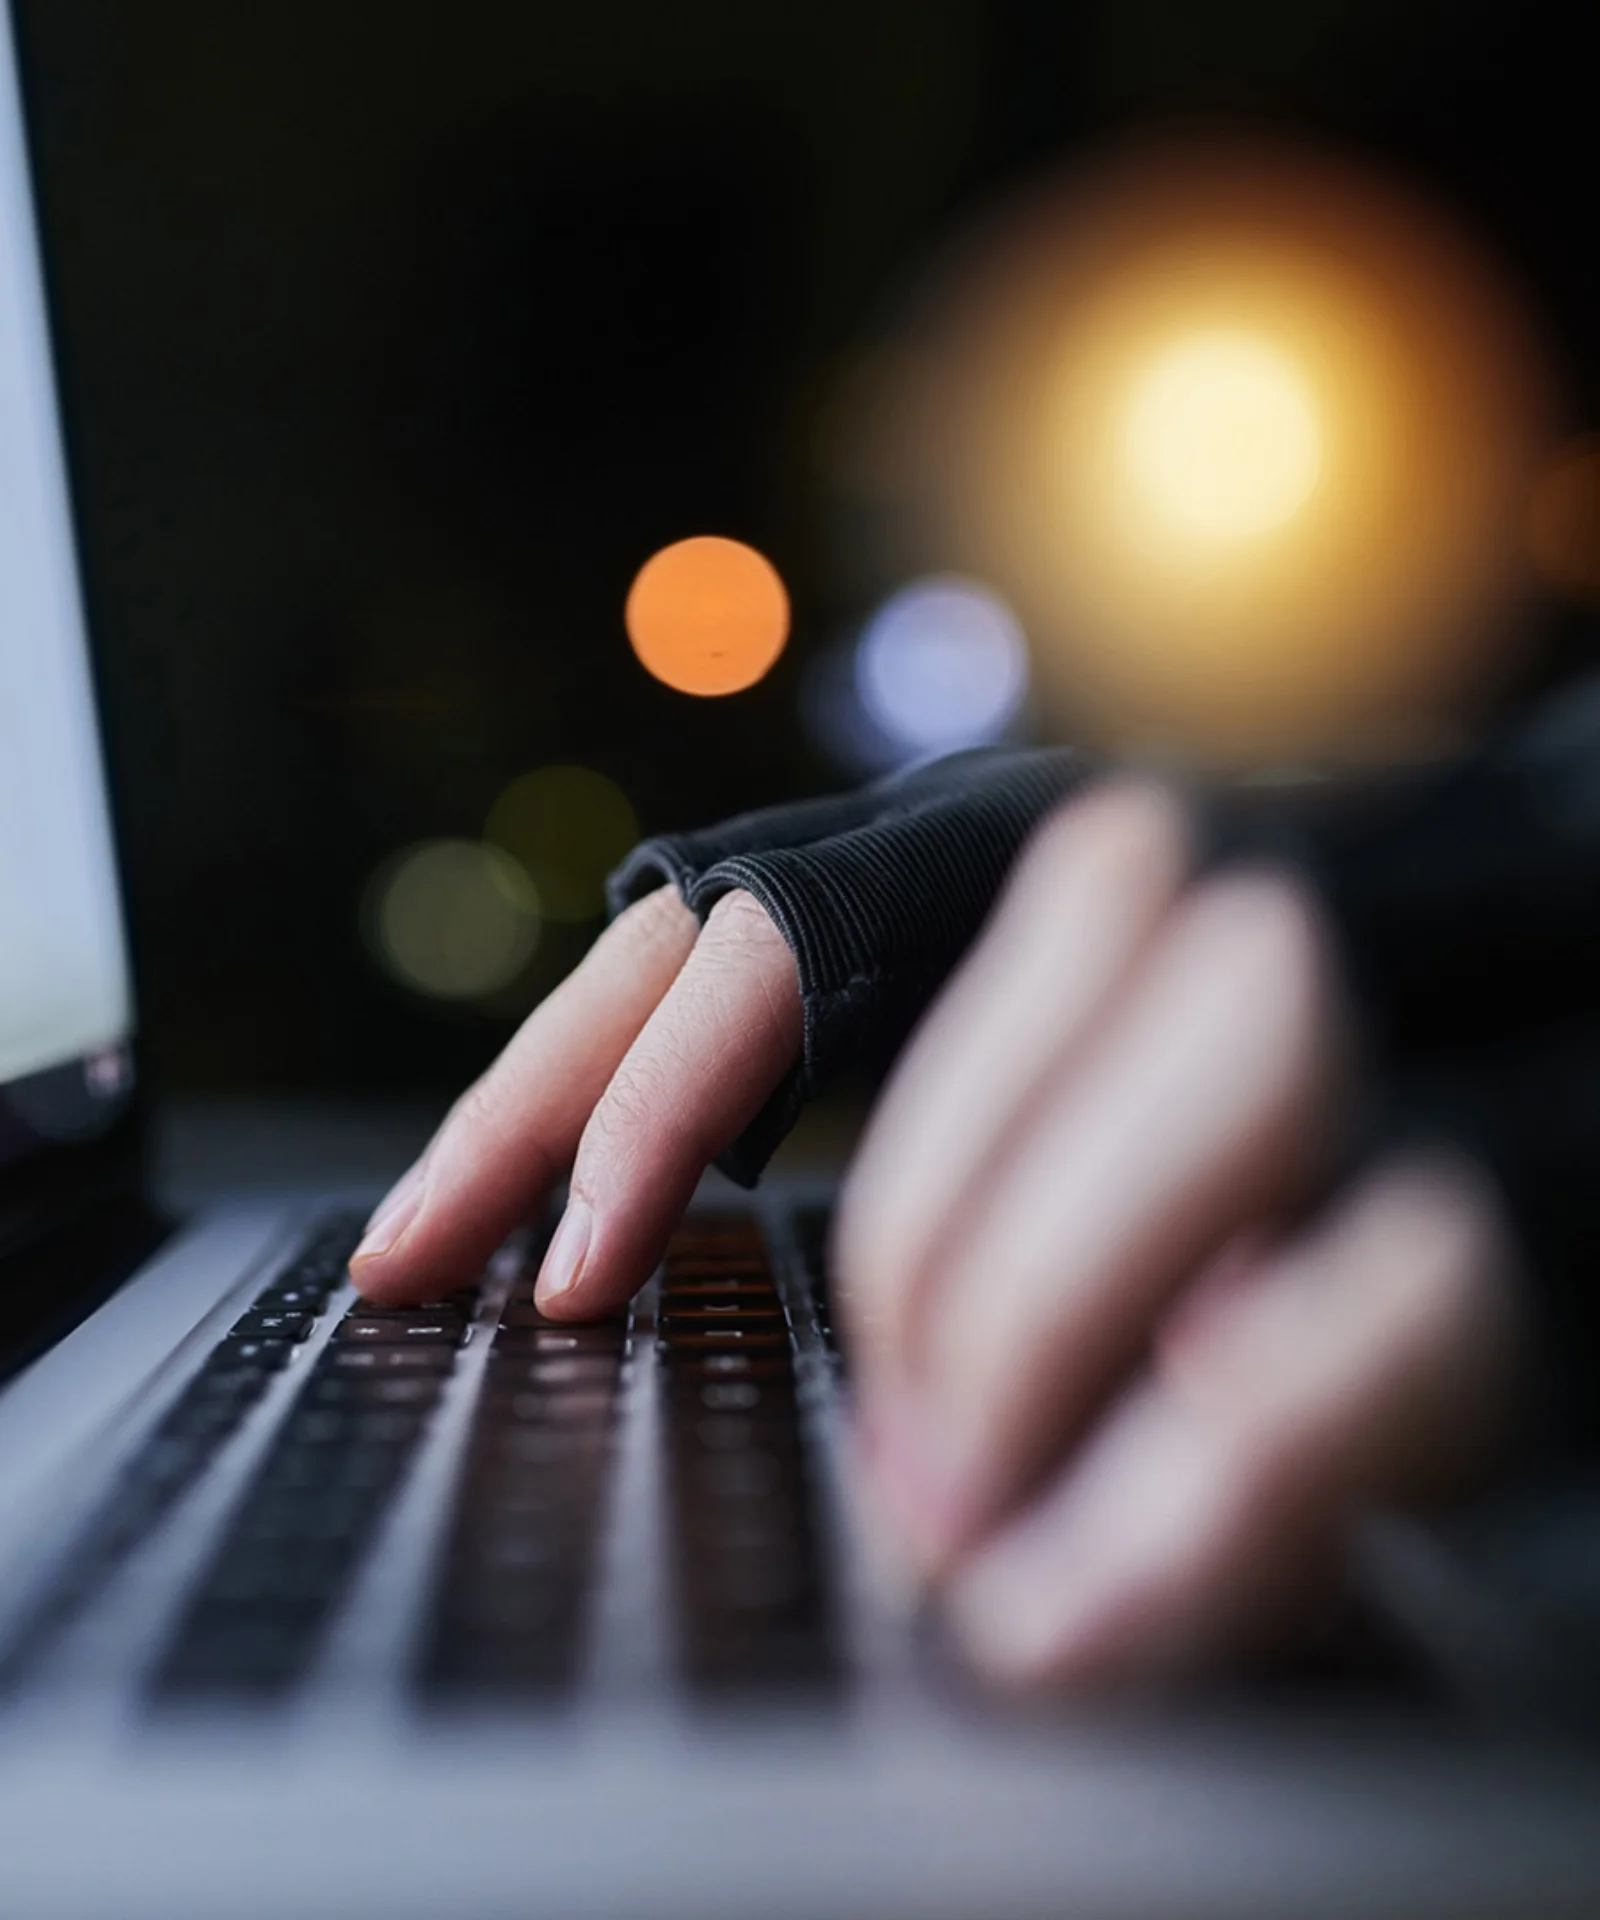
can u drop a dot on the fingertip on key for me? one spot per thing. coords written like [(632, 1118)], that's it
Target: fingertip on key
[(566, 1256), (388, 1228)]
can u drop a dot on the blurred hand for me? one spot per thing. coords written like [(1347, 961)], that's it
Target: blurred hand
[(1117, 1408), (635, 1073)]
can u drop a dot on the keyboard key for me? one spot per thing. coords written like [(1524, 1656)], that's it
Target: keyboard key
[(458, 1306), (370, 1361), (385, 1389), (680, 1273), (550, 1343), (706, 1314), (691, 1393), (709, 1361), (302, 1298), (430, 1330), (240, 1350), (769, 1341), (509, 1372), (263, 1325), (700, 1287)]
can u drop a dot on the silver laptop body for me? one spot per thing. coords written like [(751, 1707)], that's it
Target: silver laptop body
[(311, 1610)]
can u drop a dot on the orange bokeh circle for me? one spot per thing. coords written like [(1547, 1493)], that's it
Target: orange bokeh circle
[(708, 615)]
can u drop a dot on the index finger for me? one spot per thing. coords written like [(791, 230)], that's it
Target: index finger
[(511, 1136)]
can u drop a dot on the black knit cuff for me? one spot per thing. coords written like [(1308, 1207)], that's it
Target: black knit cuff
[(878, 893)]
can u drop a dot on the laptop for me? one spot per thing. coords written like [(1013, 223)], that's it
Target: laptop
[(309, 1607)]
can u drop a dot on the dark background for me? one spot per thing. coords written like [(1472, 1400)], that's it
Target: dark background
[(397, 335)]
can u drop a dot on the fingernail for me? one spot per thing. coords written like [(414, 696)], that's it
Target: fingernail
[(563, 1260), (393, 1216)]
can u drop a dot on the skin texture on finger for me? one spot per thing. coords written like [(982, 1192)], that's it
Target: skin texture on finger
[(1205, 1102), (1088, 896), (1373, 1356), (727, 1031), (512, 1135)]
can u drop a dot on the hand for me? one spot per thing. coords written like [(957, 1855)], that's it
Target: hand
[(1118, 1408), (635, 1073)]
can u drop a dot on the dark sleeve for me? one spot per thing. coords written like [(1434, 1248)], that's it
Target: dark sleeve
[(1465, 901), (1466, 898), (877, 892), (1528, 1109)]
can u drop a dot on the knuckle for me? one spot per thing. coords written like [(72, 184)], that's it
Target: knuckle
[(737, 925), (639, 1107), (479, 1112), (659, 918), (1124, 829), (487, 1119)]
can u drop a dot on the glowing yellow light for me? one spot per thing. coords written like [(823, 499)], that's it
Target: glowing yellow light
[(708, 615), (567, 827), (452, 918), (1221, 437), (1245, 436)]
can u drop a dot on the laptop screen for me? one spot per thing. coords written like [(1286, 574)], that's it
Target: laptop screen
[(65, 1002)]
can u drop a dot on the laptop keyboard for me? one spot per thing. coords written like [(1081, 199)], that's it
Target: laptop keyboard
[(176, 1455), (299, 1535), (505, 1621)]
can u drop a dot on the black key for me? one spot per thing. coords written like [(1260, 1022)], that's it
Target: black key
[(304, 1298), (702, 1240), (753, 1292), (523, 1313), (455, 1306), (549, 1343), (289, 1514), (703, 1316), (317, 1426), (567, 1410), (531, 1448), (430, 1330), (382, 1389), (200, 1418), (767, 1341), (373, 1360), (250, 1350), (741, 1270), (254, 1325), (221, 1386), (255, 1572), (689, 1394), (359, 1465), (510, 1372), (737, 1433), (240, 1651), (714, 1362)]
